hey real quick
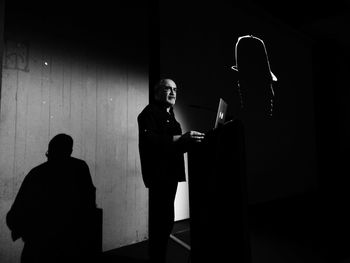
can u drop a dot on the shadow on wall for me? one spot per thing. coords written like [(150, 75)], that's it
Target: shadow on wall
[(55, 212)]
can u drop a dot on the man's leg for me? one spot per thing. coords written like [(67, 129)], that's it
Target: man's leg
[(161, 219)]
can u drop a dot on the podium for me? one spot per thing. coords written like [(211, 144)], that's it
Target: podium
[(217, 196)]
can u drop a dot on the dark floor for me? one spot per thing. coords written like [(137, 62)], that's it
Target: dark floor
[(294, 230), (305, 228), (137, 253)]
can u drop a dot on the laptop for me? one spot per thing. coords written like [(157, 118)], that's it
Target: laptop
[(221, 113)]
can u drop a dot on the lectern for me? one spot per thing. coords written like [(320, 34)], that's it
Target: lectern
[(217, 193)]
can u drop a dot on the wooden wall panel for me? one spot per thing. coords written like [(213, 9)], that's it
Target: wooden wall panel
[(95, 102), (135, 183)]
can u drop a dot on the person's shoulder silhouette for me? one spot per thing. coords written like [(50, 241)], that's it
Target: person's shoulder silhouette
[(53, 205)]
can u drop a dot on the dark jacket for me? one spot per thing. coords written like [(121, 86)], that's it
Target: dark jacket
[(162, 160)]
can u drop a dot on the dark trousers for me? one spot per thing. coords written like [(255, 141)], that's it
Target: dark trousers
[(161, 219)]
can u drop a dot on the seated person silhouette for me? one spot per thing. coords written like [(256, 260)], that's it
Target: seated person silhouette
[(54, 208)]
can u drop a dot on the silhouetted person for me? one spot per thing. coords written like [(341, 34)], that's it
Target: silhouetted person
[(255, 78), (161, 146), (255, 86), (54, 209)]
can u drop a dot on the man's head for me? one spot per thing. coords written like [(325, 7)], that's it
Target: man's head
[(165, 92), (60, 147)]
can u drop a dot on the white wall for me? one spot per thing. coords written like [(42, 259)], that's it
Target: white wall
[(92, 87)]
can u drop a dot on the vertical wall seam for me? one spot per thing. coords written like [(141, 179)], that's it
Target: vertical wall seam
[(84, 97), (96, 121), (70, 89), (49, 88), (26, 126), (15, 133), (127, 131)]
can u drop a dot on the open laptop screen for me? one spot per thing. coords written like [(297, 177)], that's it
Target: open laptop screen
[(221, 113)]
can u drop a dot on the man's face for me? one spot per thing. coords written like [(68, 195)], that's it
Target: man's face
[(167, 93)]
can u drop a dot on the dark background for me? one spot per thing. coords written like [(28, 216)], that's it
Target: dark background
[(193, 42), (326, 25)]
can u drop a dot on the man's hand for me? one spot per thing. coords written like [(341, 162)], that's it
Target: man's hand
[(193, 136)]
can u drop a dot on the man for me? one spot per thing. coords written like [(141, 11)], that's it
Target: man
[(161, 146), (54, 209)]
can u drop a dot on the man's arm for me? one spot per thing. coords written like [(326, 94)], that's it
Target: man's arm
[(180, 142), (151, 136), (190, 136)]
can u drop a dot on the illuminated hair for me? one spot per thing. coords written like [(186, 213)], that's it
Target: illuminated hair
[(161, 83)]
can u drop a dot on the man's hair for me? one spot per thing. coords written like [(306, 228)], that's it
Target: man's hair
[(161, 83)]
